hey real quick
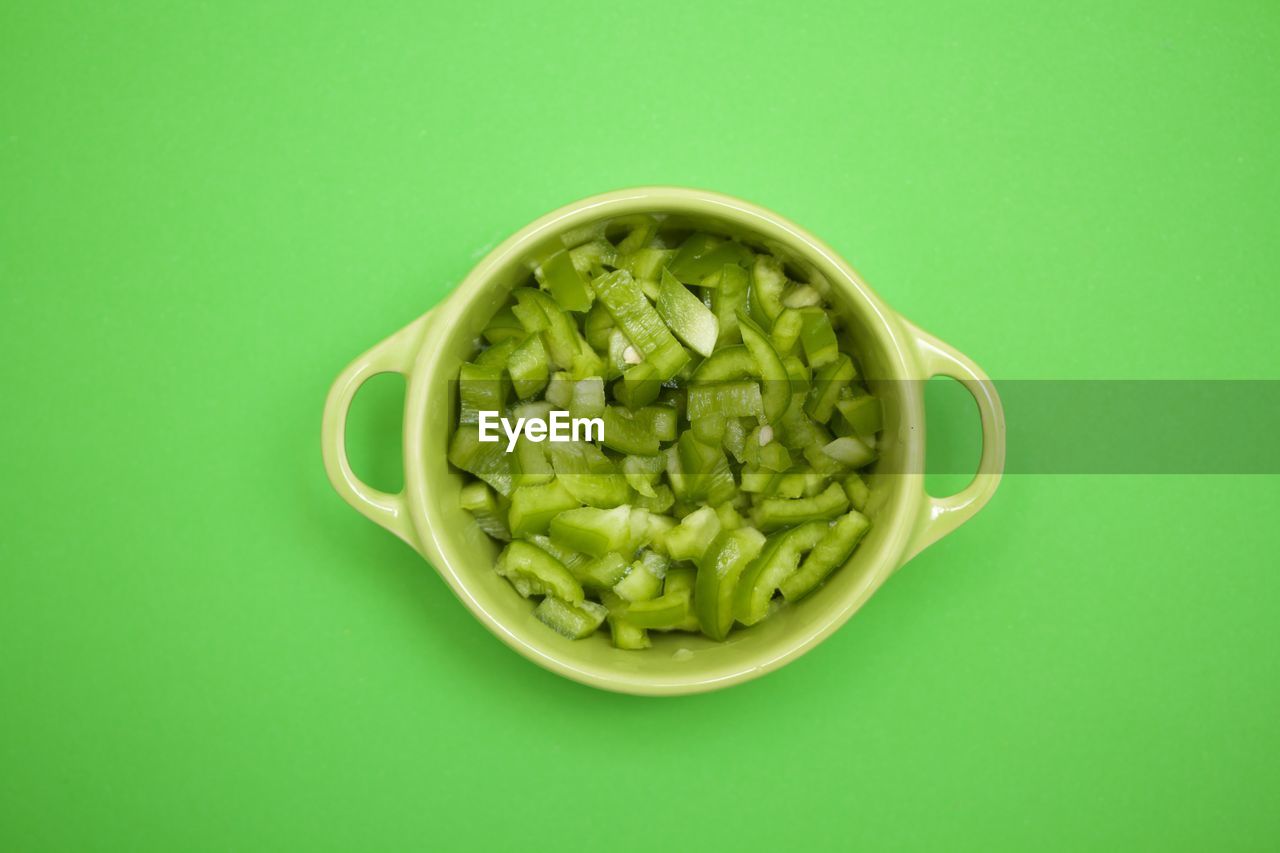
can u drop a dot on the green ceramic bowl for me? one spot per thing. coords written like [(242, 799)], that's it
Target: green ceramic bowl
[(906, 520)]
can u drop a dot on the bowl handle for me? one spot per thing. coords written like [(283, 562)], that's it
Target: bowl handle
[(394, 355), (943, 515)]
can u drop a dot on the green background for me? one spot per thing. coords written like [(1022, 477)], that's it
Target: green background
[(206, 210)]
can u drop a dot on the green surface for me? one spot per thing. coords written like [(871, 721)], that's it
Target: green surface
[(205, 212)]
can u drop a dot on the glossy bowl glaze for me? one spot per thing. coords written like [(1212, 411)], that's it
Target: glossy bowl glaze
[(895, 357)]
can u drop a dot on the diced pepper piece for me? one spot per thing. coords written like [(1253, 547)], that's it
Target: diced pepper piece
[(726, 399), (682, 580), (777, 562), (756, 480), (592, 530), (479, 501), (774, 457), (480, 389), (835, 548), (643, 471), (818, 339), (735, 436), (863, 414), (602, 572), (503, 326), (495, 357), (540, 572), (686, 316), (786, 330), (799, 373), (773, 513), (643, 580), (850, 451), (767, 283), (533, 507), (575, 621), (587, 400), (625, 634), (485, 459), (729, 517), (639, 229), (775, 384), (668, 610), (659, 420), (790, 485), (828, 381), (646, 264), (560, 390), (530, 465), (798, 431), (690, 539), (660, 501), (627, 433), (597, 327), (588, 474), (638, 387), (858, 491), (529, 367), (633, 314), (819, 460), (802, 296), (592, 258), (726, 364), (566, 285), (695, 247), (572, 560), (566, 347), (704, 269), (718, 574), (708, 428), (706, 470), (727, 300)]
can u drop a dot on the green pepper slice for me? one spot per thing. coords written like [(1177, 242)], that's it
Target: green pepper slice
[(533, 507), (686, 316), (574, 620), (592, 530), (538, 571), (832, 551), (773, 513), (777, 562), (718, 574), (775, 383)]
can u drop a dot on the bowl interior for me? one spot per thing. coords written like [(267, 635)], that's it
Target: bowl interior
[(677, 662)]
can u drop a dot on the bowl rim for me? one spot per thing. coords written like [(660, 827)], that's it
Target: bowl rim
[(903, 363)]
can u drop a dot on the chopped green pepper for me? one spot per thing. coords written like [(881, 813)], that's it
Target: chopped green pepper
[(828, 381), (777, 561), (538, 571), (767, 283), (732, 428), (686, 316), (639, 321), (836, 545), (775, 383), (479, 501), (818, 339), (689, 539), (533, 507), (718, 574), (529, 367), (567, 286), (592, 530), (773, 513), (574, 620), (862, 415)]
